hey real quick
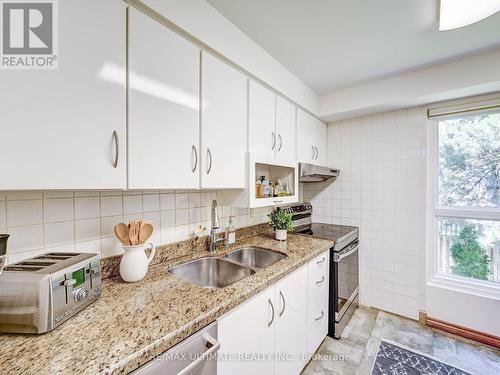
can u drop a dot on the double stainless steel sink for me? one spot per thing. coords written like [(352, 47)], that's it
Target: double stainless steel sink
[(218, 272)]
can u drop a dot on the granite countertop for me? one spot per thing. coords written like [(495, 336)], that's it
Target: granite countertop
[(132, 323)]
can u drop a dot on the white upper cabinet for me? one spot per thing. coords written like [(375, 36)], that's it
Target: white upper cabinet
[(223, 125), (311, 139), (306, 152), (65, 128), (163, 147), (271, 123), (320, 142), (285, 129), (261, 120)]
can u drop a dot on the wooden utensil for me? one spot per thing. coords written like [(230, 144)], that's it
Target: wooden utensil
[(133, 232), (146, 232), (121, 232), (139, 238)]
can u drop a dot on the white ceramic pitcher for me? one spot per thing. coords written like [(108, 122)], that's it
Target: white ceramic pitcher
[(134, 263)]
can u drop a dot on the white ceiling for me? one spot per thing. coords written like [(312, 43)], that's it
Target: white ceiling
[(335, 44)]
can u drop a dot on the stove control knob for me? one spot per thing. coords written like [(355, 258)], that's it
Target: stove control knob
[(80, 294)]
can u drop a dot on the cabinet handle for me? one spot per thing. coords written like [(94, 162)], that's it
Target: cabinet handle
[(209, 157), (322, 280), (117, 148), (274, 141), (314, 152), (195, 153), (281, 142), (317, 153), (321, 261), (272, 310), (321, 317), (284, 304)]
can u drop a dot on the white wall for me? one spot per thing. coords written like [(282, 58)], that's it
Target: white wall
[(203, 21), (469, 76), (84, 220), (381, 189), (465, 309)]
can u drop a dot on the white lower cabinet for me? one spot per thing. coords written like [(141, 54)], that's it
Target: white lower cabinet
[(247, 332), (272, 333), (290, 330)]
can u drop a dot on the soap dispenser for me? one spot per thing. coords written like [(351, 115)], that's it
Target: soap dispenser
[(230, 232)]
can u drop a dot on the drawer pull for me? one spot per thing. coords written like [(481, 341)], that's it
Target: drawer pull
[(321, 261), (321, 317), (322, 280)]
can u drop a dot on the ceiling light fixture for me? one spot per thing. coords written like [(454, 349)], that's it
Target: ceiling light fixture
[(458, 13)]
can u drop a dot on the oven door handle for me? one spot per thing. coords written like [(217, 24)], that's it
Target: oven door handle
[(340, 256)]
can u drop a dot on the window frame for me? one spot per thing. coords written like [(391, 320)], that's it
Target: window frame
[(436, 211)]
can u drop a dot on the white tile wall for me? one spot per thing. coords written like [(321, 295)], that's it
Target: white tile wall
[(381, 189), (84, 220)]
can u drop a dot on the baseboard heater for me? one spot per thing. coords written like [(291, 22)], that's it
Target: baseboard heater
[(471, 334)]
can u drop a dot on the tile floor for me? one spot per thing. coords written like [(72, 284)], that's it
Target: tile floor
[(355, 352)]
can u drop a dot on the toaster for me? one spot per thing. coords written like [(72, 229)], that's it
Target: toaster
[(40, 293)]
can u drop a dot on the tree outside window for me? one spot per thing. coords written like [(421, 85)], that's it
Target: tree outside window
[(469, 177)]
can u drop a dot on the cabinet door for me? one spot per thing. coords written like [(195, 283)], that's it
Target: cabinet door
[(223, 125), (261, 120), (65, 128), (248, 330), (317, 301), (163, 107), (320, 143), (305, 137), (291, 323), (285, 129)]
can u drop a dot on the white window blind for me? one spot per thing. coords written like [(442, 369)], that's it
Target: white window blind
[(461, 108)]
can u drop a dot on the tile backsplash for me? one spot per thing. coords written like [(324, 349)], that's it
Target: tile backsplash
[(44, 221), (381, 189)]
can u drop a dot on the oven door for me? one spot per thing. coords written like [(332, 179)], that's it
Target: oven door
[(346, 278)]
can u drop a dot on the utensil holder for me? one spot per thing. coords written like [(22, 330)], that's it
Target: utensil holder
[(134, 263)]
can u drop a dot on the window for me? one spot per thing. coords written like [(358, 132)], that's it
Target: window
[(464, 184)]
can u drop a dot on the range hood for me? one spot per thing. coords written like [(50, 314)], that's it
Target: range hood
[(316, 173)]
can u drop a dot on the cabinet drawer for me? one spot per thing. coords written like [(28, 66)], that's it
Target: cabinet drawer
[(317, 323), (318, 288), (318, 268)]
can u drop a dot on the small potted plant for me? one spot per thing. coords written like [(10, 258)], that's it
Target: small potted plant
[(281, 222)]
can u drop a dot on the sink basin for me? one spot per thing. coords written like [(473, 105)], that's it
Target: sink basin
[(255, 257), (211, 272)]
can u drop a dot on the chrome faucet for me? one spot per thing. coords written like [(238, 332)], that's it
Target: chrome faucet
[(215, 225)]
